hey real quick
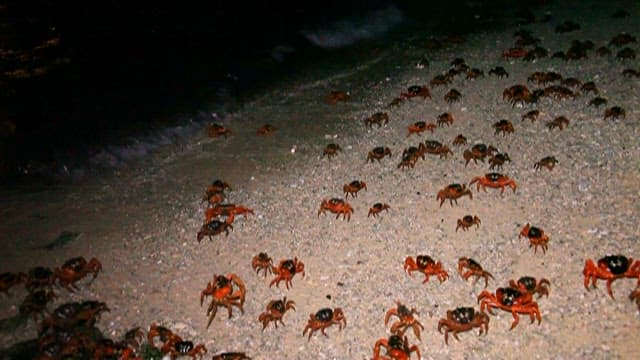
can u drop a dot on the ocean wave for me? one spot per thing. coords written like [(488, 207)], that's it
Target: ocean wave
[(350, 30)]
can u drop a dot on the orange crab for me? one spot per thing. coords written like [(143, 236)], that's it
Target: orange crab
[(263, 262), (221, 289), (406, 320), (514, 53), (530, 284), (467, 221), (419, 127), (336, 206), (610, 268), (379, 118), (503, 126), (75, 269), (478, 152), (548, 162), (215, 227), (215, 130), (445, 119), (378, 152), (473, 269), (397, 349), (459, 140), (426, 265), (226, 210), (275, 311), (536, 237), (415, 91), (493, 180), (453, 192), (377, 208), (323, 319), (436, 148), (463, 319), (353, 188), (511, 300), (285, 270), (331, 150), (560, 122)]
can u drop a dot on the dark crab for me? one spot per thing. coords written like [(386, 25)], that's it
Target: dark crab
[(615, 112), (548, 162)]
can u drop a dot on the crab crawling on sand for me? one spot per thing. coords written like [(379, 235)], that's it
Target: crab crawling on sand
[(426, 265), (274, 312), (494, 180), (610, 268), (397, 348), (473, 269), (463, 319), (536, 237), (531, 285), (379, 118), (336, 206), (511, 300), (406, 320), (467, 221), (323, 319), (615, 112), (548, 162), (453, 192), (331, 150), (215, 130)]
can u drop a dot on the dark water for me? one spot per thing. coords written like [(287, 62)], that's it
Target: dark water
[(117, 70)]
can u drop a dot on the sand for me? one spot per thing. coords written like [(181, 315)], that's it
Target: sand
[(141, 222)]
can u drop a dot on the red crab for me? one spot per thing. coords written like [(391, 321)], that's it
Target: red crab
[(336, 96), (459, 140), (530, 284), (548, 162), (353, 188), (331, 150), (226, 210), (275, 311), (445, 119), (503, 126), (397, 349), (266, 129), (436, 148), (536, 237), (615, 112), (419, 127), (493, 180), (478, 152), (336, 206), (406, 320), (286, 270), (215, 130), (377, 208), (263, 262), (426, 265), (215, 227), (323, 319), (514, 53), (560, 122), (467, 221), (463, 319), (222, 292), (415, 91), (75, 269), (473, 269), (610, 268), (453, 192), (379, 118), (512, 300), (378, 152)]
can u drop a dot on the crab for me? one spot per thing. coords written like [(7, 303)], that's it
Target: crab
[(548, 162), (336, 96), (597, 101), (512, 300), (187, 348), (415, 91), (397, 348), (622, 39), (263, 262), (445, 119), (530, 284), (223, 293), (467, 221), (459, 140), (419, 127), (426, 265), (474, 73), (218, 186), (286, 270), (571, 82), (473, 269), (336, 206), (463, 319), (275, 311), (353, 188), (436, 148), (226, 210), (499, 71), (626, 53), (589, 87), (215, 130), (560, 122), (215, 227), (536, 237), (440, 80), (324, 318), (39, 277), (378, 208), (544, 78), (558, 92), (266, 130), (378, 118), (69, 315), (452, 96), (331, 150), (378, 152), (35, 304), (165, 335), (75, 269), (610, 268), (453, 192), (493, 180), (514, 53), (231, 356), (615, 112), (496, 161), (516, 94), (503, 126), (478, 152), (406, 320), (10, 279)]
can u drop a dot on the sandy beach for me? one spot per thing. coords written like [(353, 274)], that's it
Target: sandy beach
[(141, 222)]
